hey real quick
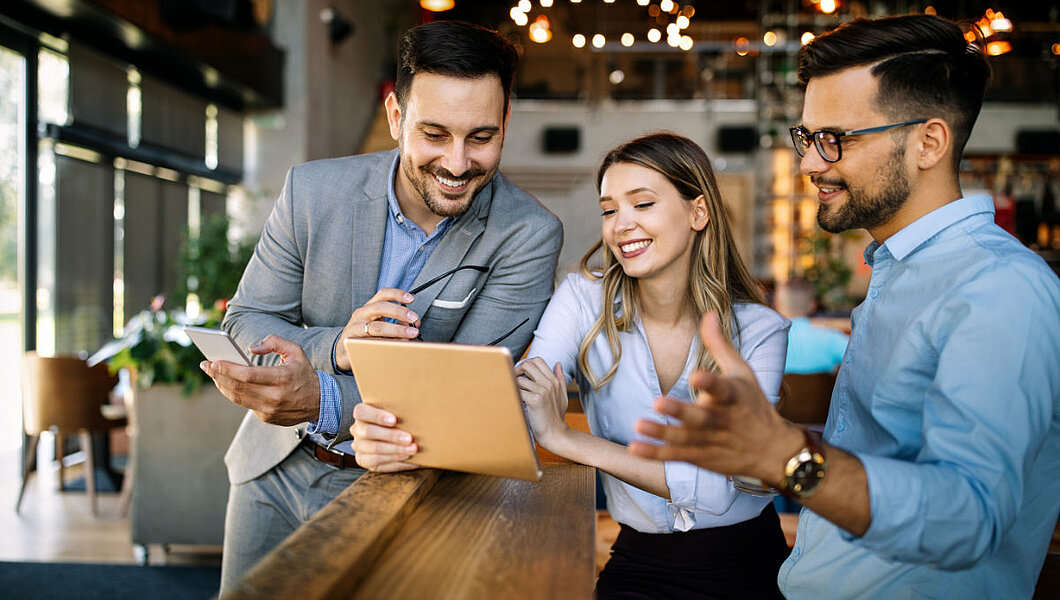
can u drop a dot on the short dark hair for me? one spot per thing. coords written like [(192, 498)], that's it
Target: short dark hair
[(454, 49), (923, 64)]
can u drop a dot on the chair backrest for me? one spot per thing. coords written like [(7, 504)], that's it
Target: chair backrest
[(63, 392), (805, 398)]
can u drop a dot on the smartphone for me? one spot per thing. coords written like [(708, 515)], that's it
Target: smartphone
[(216, 344)]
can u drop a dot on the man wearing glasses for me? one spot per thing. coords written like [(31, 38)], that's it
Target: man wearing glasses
[(939, 475), (425, 242)]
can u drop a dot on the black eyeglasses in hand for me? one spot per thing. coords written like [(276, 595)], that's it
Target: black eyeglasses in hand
[(427, 284), (479, 268)]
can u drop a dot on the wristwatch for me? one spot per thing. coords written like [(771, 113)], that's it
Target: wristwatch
[(805, 471)]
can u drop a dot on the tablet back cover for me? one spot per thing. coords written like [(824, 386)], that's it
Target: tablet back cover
[(458, 401)]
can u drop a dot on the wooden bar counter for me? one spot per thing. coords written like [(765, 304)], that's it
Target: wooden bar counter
[(442, 534)]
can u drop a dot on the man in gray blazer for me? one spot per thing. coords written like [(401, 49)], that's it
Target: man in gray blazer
[(426, 242)]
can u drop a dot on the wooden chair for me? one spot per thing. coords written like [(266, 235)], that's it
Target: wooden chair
[(65, 395), (805, 398)]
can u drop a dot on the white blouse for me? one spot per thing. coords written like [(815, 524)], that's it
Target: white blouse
[(699, 498)]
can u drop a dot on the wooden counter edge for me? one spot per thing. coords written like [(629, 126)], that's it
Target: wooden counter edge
[(332, 551)]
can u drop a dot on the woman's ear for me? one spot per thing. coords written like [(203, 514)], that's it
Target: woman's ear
[(700, 215)]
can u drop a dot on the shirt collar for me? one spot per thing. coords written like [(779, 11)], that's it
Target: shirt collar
[(912, 236)]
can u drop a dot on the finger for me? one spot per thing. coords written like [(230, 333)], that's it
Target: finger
[(392, 295), (371, 414), (537, 369), (720, 347), (383, 329), (690, 415), (558, 370), (289, 351), (364, 431), (363, 447), (389, 310)]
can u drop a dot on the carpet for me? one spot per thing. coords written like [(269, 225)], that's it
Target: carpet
[(77, 581)]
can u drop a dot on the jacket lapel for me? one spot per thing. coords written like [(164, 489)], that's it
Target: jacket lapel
[(452, 248), (369, 218)]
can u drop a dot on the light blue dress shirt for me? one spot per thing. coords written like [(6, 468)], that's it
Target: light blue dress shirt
[(406, 249), (812, 348), (950, 398), (699, 498)]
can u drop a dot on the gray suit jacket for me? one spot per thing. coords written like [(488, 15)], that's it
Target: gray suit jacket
[(318, 259)]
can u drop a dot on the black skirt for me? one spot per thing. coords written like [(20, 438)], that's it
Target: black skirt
[(736, 561)]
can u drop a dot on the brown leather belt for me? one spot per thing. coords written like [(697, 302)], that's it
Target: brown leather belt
[(335, 459)]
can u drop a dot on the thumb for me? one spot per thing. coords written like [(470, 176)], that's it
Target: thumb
[(558, 370), (274, 343), (720, 347)]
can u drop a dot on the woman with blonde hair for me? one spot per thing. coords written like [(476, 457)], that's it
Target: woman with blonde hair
[(626, 332)]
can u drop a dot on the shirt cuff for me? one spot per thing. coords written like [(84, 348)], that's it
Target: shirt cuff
[(335, 365), (895, 491), (330, 407)]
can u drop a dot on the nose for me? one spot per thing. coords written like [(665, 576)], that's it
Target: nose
[(624, 221), (812, 163), (456, 159)]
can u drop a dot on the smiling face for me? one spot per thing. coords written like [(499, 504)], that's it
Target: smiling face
[(870, 185), (450, 135), (647, 225)]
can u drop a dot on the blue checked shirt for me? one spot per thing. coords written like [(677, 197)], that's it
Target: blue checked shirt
[(949, 395), (406, 249)]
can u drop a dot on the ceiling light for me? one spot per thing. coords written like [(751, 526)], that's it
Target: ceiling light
[(806, 38), (770, 39), (578, 40), (685, 43), (828, 6), (682, 22), (654, 35), (437, 5), (666, 5), (627, 39), (617, 76), (998, 47), (598, 41)]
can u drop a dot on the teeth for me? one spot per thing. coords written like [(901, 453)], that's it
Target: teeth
[(634, 246), (451, 182)]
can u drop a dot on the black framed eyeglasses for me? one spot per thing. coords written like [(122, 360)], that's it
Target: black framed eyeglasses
[(480, 269), (434, 280), (828, 142)]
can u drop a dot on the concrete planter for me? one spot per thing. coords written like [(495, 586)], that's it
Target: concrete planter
[(180, 485)]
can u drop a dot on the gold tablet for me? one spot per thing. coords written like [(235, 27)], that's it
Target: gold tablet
[(458, 401)]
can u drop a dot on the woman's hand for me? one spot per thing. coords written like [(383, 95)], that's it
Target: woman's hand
[(544, 392)]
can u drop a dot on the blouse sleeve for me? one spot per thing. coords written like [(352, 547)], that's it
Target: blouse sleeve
[(560, 331)]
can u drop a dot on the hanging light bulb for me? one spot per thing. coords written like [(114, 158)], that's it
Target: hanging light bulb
[(437, 5), (578, 40), (598, 40), (627, 39), (654, 35), (541, 30)]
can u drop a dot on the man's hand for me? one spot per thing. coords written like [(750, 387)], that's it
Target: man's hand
[(378, 444), (367, 321), (732, 428), (285, 394)]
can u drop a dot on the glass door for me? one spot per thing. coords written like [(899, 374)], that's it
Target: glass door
[(12, 199)]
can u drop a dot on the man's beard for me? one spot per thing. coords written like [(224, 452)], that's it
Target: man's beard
[(864, 211), (420, 178)]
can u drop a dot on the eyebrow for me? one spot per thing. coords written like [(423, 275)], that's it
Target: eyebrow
[(632, 192), (480, 129)]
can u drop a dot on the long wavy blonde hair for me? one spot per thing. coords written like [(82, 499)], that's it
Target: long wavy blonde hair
[(717, 276)]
